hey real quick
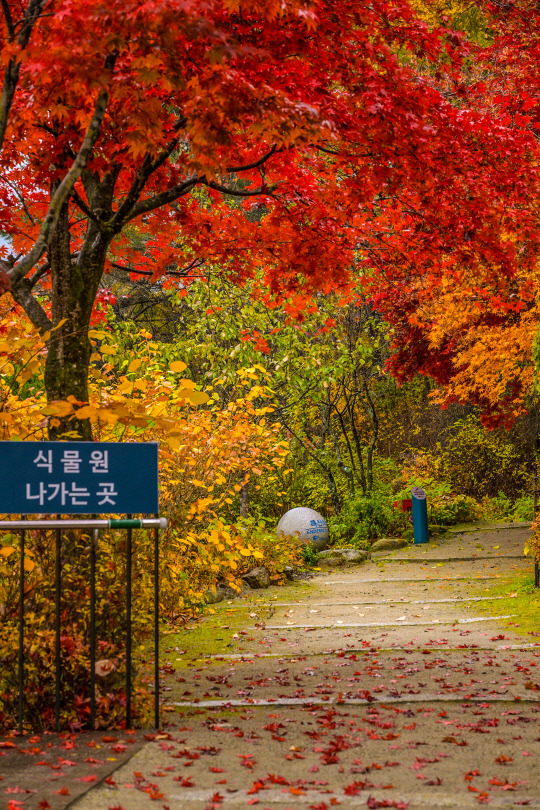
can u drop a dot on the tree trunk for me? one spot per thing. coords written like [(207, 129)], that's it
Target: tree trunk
[(74, 287), (244, 501), (334, 494)]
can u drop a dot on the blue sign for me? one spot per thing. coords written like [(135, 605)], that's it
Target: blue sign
[(78, 478)]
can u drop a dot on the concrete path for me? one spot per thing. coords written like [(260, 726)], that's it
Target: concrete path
[(391, 684)]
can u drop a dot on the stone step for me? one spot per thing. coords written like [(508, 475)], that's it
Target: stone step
[(457, 559), (405, 623)]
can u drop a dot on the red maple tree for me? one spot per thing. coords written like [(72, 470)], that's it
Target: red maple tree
[(297, 139), (470, 322)]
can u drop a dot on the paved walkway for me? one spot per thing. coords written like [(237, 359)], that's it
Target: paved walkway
[(391, 684)]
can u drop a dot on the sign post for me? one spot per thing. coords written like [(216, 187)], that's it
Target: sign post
[(419, 515), (82, 478)]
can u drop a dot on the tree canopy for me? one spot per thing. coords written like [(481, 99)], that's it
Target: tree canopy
[(294, 139)]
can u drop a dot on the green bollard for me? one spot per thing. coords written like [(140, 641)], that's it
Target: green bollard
[(419, 516)]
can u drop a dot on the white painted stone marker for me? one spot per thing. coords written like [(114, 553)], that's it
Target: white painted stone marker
[(308, 525)]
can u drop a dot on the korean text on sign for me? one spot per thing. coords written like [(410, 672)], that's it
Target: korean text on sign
[(78, 477)]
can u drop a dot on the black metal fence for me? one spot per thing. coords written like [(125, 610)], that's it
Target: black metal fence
[(94, 525)]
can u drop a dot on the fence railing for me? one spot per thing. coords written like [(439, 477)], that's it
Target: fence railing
[(93, 525)]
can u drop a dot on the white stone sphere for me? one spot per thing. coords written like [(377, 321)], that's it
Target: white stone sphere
[(308, 525)]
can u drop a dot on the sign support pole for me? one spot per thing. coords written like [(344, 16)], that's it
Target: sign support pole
[(93, 549), (156, 627), (21, 633), (58, 593), (128, 627)]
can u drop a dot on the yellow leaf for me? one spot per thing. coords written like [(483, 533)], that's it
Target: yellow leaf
[(258, 555), (108, 350), (245, 552), (134, 365), (94, 357), (177, 366), (58, 408), (187, 384), (6, 551), (29, 565), (196, 397), (141, 384)]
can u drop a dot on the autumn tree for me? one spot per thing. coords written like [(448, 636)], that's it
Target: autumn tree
[(471, 325), (128, 128)]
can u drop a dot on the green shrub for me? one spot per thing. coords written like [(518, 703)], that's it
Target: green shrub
[(310, 555), (482, 463), (497, 508), (523, 509), (447, 510), (363, 519)]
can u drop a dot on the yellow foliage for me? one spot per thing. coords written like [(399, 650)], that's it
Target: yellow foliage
[(205, 455)]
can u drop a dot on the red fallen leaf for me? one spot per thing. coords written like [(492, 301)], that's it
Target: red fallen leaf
[(14, 805), (437, 781), (118, 749), (184, 781), (297, 791), (155, 794), (17, 790), (500, 637), (217, 770), (253, 801), (483, 798), (110, 781), (354, 789), (453, 740), (63, 792), (44, 805), (471, 774), (373, 803), (502, 760)]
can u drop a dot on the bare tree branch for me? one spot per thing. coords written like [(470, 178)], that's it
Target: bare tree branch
[(148, 167), (9, 21), (21, 291), (164, 198), (253, 165), (65, 188), (21, 198), (12, 70), (80, 203), (233, 192), (183, 273)]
